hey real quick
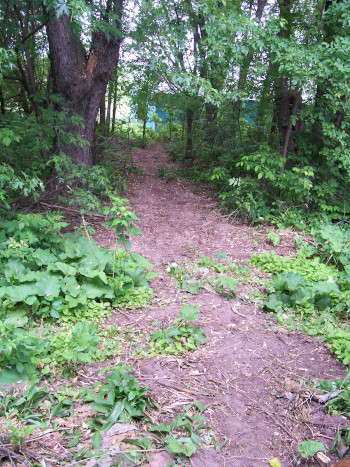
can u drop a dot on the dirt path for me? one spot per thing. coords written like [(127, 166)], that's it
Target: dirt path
[(249, 372)]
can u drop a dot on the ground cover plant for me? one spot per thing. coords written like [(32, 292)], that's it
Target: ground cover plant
[(311, 291), (61, 279), (179, 338), (219, 274), (250, 99)]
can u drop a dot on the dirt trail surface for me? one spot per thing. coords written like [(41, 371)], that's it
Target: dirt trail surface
[(249, 372)]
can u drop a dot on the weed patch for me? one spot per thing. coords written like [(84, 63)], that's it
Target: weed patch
[(179, 338), (312, 291), (208, 272)]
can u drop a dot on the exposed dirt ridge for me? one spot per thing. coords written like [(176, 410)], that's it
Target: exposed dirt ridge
[(247, 369)]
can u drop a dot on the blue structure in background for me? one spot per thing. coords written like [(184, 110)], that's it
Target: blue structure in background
[(249, 110)]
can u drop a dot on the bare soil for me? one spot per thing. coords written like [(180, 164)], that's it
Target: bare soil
[(250, 372)]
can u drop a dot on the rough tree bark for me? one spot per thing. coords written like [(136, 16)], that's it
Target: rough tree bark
[(81, 80)]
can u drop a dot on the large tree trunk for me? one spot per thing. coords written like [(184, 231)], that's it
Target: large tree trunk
[(81, 81)]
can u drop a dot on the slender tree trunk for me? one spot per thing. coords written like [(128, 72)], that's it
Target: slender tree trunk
[(2, 102), (189, 137), (289, 129), (282, 109), (283, 94), (109, 105), (81, 81), (264, 105), (144, 133), (211, 113), (103, 110), (244, 70), (26, 76), (114, 109)]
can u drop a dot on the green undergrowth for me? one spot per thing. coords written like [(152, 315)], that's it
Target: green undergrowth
[(219, 275), (117, 397), (311, 292), (177, 339), (339, 403), (59, 280)]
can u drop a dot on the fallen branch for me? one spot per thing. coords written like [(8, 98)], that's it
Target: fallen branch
[(11, 455), (63, 208), (327, 397)]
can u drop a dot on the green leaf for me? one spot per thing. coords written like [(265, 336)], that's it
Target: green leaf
[(96, 440), (44, 257), (138, 277), (221, 255), (84, 337), (48, 287), (229, 282), (63, 267), (17, 318), (199, 336), (144, 443), (6, 141), (310, 448), (173, 445), (14, 270), (73, 288), (189, 313), (189, 449), (18, 293), (96, 289), (75, 440), (54, 314), (114, 415), (200, 406), (142, 262), (8, 376), (190, 286), (162, 428), (80, 299)]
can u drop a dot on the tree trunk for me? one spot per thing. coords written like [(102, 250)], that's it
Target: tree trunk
[(189, 137), (81, 81), (282, 109), (2, 102), (288, 134), (243, 72), (114, 109), (103, 110), (211, 112), (283, 94), (109, 104), (144, 133)]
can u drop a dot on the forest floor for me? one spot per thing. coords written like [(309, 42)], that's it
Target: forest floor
[(253, 376), (251, 373)]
